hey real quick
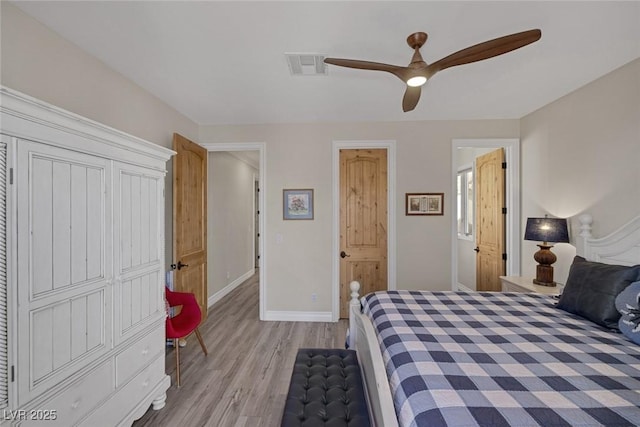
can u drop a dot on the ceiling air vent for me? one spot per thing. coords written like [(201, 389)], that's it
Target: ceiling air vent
[(306, 64)]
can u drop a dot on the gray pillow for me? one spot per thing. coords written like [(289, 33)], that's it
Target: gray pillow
[(592, 288)]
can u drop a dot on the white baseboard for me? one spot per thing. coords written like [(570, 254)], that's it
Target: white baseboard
[(299, 316), (231, 286), (462, 287)]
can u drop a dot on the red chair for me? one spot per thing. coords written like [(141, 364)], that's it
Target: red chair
[(184, 323)]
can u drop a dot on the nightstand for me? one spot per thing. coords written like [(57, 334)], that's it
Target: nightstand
[(526, 285)]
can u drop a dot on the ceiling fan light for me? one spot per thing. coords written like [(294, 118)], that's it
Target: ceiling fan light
[(416, 81)]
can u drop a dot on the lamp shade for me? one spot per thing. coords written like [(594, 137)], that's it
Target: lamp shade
[(547, 230)]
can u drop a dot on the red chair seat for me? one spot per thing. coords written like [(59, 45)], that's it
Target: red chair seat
[(184, 323)]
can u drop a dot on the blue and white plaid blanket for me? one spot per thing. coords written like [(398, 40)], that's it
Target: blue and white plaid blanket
[(492, 359)]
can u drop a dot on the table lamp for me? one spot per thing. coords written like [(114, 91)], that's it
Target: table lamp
[(546, 230)]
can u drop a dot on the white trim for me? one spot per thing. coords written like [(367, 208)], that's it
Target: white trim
[(299, 316), (21, 111), (261, 147), (12, 265), (512, 158), (243, 159), (467, 167), (462, 287), (231, 286), (233, 146), (390, 146)]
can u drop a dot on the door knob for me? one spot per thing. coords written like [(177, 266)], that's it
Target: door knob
[(343, 254), (180, 265), (477, 249)]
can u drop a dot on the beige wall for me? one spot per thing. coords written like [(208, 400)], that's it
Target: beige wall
[(230, 219), (300, 156), (40, 63), (581, 154)]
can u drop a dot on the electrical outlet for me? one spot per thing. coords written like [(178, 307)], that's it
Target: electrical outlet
[(314, 297), (228, 275)]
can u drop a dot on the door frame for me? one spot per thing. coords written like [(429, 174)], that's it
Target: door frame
[(261, 147), (512, 197), (390, 146)]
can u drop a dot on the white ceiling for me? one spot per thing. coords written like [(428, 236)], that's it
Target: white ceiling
[(223, 62)]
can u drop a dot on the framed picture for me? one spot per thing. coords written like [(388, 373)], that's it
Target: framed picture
[(425, 204), (297, 204)]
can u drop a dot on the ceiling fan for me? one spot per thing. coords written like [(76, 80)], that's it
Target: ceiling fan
[(418, 72)]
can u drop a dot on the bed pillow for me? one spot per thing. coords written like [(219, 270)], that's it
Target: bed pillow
[(629, 308), (592, 288)]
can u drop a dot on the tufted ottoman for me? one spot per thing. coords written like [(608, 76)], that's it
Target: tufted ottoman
[(325, 390)]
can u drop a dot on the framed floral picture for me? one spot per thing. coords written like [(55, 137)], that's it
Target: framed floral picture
[(297, 204), (425, 204)]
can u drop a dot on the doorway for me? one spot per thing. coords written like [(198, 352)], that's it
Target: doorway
[(460, 161), (363, 222), (389, 146), (260, 148)]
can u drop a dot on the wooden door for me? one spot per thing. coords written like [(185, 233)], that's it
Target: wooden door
[(490, 221), (190, 219), (363, 222)]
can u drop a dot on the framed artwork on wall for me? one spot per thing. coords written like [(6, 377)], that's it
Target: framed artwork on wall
[(424, 204), (297, 204)]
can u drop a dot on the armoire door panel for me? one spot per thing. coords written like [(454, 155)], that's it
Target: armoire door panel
[(67, 240), (64, 294), (65, 332), (139, 219), (141, 303)]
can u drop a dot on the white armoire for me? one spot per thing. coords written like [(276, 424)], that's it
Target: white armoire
[(81, 269)]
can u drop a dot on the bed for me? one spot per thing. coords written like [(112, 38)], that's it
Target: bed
[(500, 359)]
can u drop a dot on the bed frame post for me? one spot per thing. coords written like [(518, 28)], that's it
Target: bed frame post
[(585, 234), (354, 304)]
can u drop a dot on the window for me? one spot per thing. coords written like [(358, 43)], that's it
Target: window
[(465, 203)]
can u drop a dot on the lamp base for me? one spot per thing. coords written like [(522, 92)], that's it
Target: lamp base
[(544, 270), (538, 282)]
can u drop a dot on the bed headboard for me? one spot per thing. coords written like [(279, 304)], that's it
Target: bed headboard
[(620, 247)]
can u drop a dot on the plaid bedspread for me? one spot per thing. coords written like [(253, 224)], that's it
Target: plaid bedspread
[(492, 359)]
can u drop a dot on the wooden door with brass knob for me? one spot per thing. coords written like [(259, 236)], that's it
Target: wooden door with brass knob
[(363, 222), (190, 219)]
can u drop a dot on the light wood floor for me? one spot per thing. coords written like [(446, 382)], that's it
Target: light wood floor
[(245, 378)]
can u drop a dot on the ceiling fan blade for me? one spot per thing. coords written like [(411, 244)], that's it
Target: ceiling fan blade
[(367, 65), (411, 98), (486, 50)]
